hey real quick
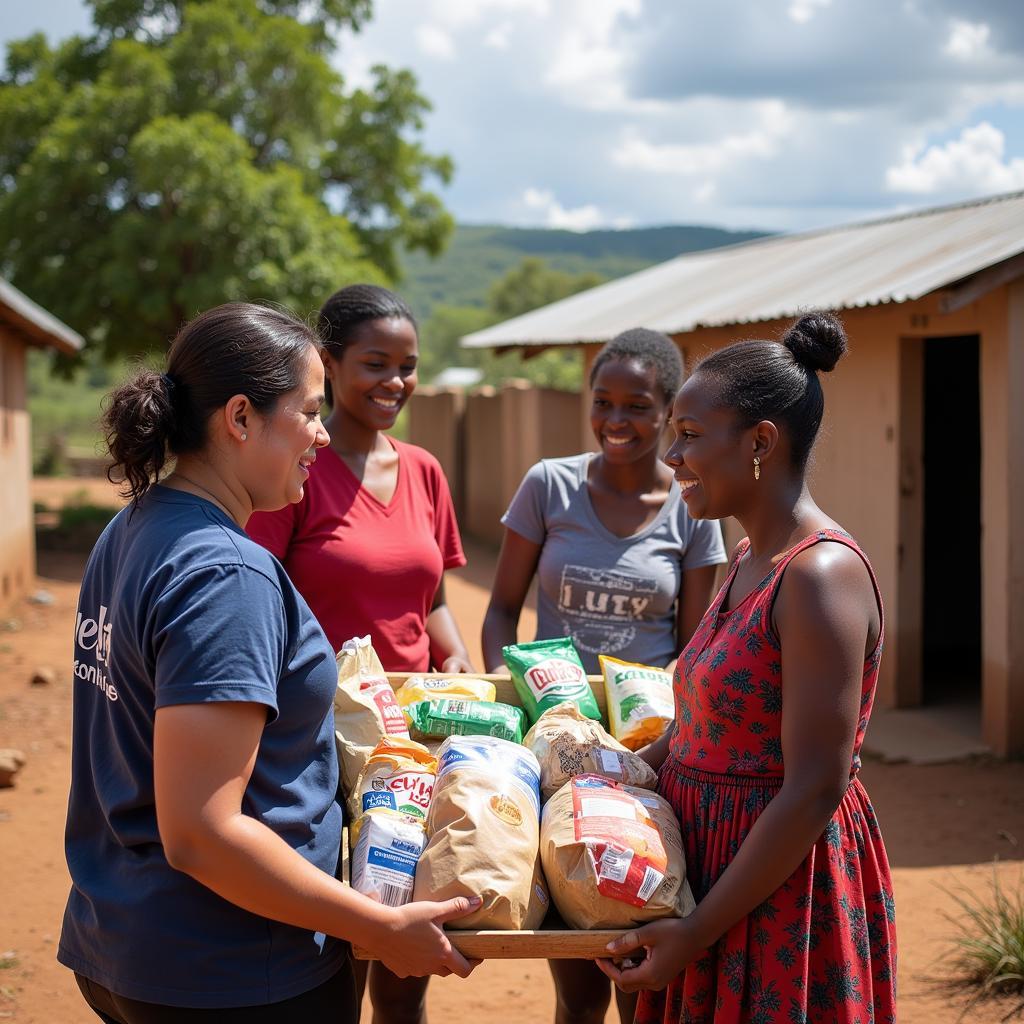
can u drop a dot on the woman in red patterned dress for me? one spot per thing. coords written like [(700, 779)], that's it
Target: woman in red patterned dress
[(795, 921)]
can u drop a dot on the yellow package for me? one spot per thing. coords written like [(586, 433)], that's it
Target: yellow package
[(398, 776), (417, 688), (640, 702)]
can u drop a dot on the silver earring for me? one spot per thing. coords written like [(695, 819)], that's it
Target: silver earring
[(244, 436), (757, 467)]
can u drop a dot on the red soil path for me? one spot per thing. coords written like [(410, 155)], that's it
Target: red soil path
[(944, 826)]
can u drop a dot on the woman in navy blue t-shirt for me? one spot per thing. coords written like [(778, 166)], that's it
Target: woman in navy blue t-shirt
[(203, 833)]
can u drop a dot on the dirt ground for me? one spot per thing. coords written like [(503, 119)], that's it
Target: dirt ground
[(946, 827)]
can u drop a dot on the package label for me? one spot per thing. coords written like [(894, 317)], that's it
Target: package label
[(385, 856), (408, 792), (628, 853)]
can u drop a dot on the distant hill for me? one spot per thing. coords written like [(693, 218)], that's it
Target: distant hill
[(479, 254)]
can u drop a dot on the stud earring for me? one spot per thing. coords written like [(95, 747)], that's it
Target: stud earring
[(244, 436), (757, 467)]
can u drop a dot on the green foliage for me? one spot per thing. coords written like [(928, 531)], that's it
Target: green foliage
[(65, 412), (196, 151), (533, 284), (78, 527), (480, 254), (988, 952), (523, 288)]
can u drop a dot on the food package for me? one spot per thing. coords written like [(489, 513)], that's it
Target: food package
[(566, 744), (446, 717), (640, 701), (417, 688), (386, 847), (365, 708), (484, 830), (549, 672), (398, 776), (613, 855)]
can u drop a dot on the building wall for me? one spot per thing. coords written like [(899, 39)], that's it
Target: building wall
[(435, 423), (488, 439), (17, 537)]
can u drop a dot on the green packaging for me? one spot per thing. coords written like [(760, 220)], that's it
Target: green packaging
[(433, 719), (547, 673)]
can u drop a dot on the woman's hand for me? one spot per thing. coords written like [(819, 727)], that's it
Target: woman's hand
[(416, 944), (457, 663), (667, 947)]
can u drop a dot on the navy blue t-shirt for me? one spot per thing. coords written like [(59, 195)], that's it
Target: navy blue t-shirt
[(179, 606)]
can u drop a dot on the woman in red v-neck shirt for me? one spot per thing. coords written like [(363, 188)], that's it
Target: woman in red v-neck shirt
[(371, 539), (368, 545)]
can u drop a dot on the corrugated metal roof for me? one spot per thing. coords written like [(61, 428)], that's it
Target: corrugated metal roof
[(31, 320), (896, 259)]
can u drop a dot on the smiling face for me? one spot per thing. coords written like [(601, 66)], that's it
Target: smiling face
[(376, 373), (286, 441), (627, 410), (712, 454)]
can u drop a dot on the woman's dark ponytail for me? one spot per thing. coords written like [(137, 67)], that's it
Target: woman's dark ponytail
[(137, 423)]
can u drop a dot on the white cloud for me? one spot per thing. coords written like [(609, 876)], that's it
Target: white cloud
[(801, 11), (702, 158), (458, 14), (499, 36), (435, 42), (967, 40), (973, 163), (581, 218), (587, 67)]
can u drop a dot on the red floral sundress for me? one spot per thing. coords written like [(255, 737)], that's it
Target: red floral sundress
[(822, 948)]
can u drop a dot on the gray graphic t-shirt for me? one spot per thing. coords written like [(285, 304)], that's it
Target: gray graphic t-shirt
[(612, 595)]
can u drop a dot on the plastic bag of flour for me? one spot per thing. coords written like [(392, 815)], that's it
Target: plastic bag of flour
[(430, 719), (365, 708), (484, 830), (386, 847), (419, 688), (566, 745), (398, 776), (613, 855), (640, 701), (547, 673)]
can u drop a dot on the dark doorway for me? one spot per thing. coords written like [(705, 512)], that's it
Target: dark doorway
[(952, 521)]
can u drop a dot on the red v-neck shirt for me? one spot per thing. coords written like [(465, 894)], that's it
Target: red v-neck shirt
[(364, 566)]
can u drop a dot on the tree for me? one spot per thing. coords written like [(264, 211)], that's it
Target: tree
[(189, 152), (530, 285), (534, 284)]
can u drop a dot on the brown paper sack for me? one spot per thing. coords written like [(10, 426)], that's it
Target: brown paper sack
[(365, 708), (613, 855), (483, 830), (568, 744)]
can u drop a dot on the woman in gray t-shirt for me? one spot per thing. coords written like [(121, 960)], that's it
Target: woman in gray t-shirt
[(621, 566)]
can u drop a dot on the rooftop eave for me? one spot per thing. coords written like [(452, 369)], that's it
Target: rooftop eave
[(34, 324)]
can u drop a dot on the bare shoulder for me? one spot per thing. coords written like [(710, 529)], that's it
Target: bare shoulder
[(828, 582), (824, 568)]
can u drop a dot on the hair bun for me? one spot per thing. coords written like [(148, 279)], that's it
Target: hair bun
[(817, 341)]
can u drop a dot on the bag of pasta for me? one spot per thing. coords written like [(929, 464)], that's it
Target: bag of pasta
[(613, 855), (483, 830), (567, 743), (641, 705), (365, 708)]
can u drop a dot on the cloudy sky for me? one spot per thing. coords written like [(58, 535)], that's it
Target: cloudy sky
[(777, 114)]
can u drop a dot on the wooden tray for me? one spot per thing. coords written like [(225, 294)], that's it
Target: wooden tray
[(550, 942)]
